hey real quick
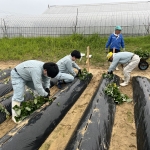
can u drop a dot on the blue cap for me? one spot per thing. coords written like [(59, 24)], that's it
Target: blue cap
[(118, 28)]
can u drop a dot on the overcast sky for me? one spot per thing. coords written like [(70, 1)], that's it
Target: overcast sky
[(37, 7)]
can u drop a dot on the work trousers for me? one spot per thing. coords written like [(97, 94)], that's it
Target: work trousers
[(65, 76), (18, 85), (130, 66)]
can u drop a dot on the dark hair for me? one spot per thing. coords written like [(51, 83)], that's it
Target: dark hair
[(52, 69), (76, 54)]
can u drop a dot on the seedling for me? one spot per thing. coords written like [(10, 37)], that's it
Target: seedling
[(107, 76), (113, 91), (28, 107), (4, 110), (84, 74), (144, 54)]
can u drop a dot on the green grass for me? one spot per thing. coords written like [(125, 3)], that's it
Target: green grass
[(54, 48)]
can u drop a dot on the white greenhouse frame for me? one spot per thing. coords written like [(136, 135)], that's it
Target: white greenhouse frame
[(133, 17)]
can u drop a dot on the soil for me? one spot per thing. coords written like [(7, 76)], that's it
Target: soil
[(123, 134)]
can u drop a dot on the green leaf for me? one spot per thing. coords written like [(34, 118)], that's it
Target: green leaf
[(35, 101), (28, 109), (84, 74), (18, 112), (108, 76), (129, 100)]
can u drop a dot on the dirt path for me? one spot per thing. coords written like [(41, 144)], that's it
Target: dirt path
[(59, 137), (123, 134)]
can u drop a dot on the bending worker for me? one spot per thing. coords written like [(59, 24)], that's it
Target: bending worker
[(115, 42), (127, 59), (66, 65), (34, 74)]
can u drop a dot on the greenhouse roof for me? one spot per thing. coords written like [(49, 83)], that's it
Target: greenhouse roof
[(98, 8), (133, 17)]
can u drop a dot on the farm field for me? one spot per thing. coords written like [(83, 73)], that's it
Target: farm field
[(123, 134)]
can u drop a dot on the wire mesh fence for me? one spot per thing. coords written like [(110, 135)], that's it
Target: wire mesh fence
[(65, 31), (133, 17)]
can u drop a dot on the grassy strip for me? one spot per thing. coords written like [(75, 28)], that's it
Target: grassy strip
[(54, 48)]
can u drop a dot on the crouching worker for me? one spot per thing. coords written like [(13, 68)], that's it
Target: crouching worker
[(34, 74), (66, 64), (127, 59)]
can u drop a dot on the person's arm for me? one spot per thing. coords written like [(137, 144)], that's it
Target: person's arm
[(69, 68), (37, 81), (108, 42), (114, 64), (46, 82), (74, 65)]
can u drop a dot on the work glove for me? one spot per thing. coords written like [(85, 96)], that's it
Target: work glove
[(79, 73), (110, 72), (48, 91), (106, 50), (124, 49)]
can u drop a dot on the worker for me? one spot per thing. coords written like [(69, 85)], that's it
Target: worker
[(127, 59), (115, 42), (34, 74), (66, 67)]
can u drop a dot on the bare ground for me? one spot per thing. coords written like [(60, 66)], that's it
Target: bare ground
[(123, 134)]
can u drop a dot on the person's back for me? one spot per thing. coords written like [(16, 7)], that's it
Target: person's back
[(26, 68), (122, 57), (62, 63)]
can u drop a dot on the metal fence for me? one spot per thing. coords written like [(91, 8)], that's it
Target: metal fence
[(64, 31)]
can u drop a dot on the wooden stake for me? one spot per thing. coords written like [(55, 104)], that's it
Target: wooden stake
[(88, 59)]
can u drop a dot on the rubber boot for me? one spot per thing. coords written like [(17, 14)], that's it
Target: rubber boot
[(14, 103), (125, 83), (59, 83)]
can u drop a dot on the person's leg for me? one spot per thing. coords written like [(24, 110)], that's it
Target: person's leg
[(127, 70), (64, 78), (31, 86), (18, 85)]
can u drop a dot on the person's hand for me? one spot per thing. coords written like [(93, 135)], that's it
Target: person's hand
[(48, 91), (110, 72), (79, 72), (106, 50)]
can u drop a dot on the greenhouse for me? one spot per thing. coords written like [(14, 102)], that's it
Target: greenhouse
[(134, 17)]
